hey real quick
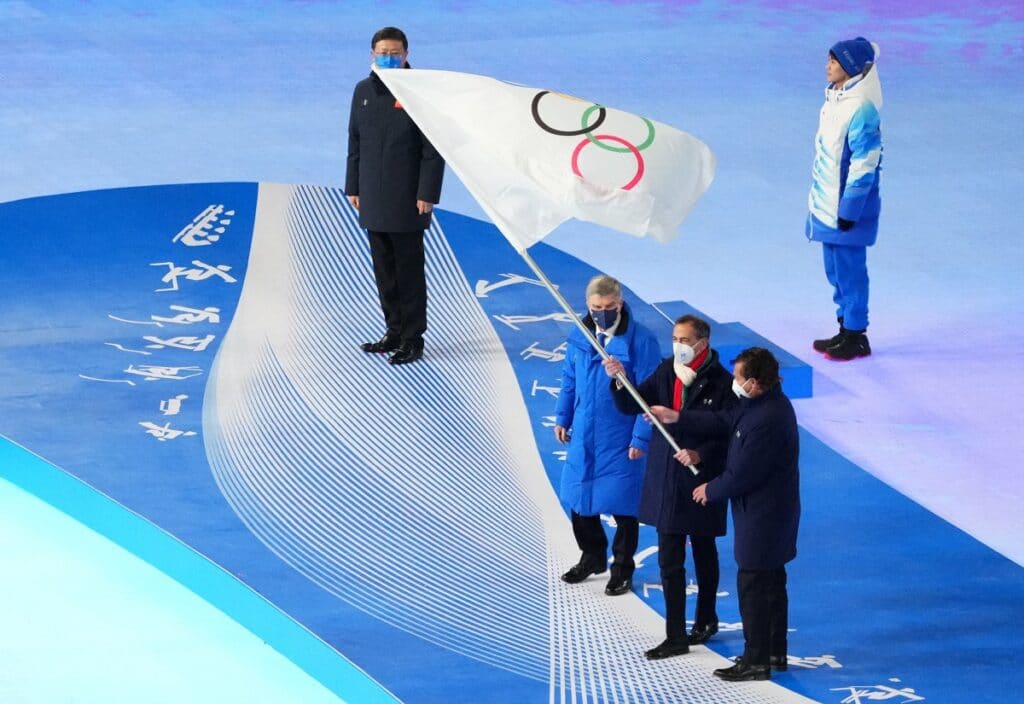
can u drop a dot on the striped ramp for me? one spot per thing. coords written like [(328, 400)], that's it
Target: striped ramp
[(380, 483)]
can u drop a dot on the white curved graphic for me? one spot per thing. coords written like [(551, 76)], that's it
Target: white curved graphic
[(414, 493)]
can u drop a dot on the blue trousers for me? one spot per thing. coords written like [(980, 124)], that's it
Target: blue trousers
[(847, 270)]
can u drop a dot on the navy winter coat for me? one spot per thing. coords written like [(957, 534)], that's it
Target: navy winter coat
[(391, 164), (598, 476), (761, 478), (666, 501)]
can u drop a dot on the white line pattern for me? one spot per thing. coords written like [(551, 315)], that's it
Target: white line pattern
[(379, 483)]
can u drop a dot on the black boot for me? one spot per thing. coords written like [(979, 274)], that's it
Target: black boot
[(852, 344), (823, 345)]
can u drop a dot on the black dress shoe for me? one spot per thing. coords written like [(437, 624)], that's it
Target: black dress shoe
[(580, 571), (702, 634), (668, 648), (384, 344), (742, 672), (617, 586), (779, 663), (406, 354)]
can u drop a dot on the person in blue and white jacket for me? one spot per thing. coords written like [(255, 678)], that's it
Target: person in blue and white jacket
[(844, 202)]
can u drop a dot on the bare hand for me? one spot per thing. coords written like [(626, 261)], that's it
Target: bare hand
[(635, 453), (354, 200), (666, 415), (681, 457), (688, 457), (700, 494), (561, 434), (423, 207), (612, 366)]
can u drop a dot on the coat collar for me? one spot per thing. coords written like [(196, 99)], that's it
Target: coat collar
[(774, 392), (865, 86), (709, 363), (703, 376)]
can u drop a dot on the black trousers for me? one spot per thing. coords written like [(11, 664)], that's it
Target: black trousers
[(672, 561), (594, 543), (401, 283), (764, 608)]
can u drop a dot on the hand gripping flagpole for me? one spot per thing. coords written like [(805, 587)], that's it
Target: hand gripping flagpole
[(621, 376)]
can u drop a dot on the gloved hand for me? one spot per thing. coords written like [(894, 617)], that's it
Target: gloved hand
[(845, 225)]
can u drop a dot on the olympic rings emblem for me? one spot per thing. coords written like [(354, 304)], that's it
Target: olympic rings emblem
[(535, 109), (599, 140), (626, 147)]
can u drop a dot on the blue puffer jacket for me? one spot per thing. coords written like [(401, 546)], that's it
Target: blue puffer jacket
[(598, 476), (847, 164)]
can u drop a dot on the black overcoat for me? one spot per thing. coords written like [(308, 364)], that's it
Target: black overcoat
[(761, 477), (666, 500), (391, 164)]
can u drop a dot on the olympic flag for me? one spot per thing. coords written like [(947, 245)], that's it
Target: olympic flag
[(534, 159)]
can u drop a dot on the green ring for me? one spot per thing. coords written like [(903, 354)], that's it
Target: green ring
[(622, 150)]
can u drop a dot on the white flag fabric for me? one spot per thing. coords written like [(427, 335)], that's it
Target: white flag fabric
[(534, 158)]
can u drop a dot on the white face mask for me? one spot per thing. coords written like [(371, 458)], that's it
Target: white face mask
[(738, 389), (683, 352)]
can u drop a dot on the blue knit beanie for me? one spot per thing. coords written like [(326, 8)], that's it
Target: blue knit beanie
[(853, 54)]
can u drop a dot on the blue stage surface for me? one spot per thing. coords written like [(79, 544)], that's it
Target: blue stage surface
[(208, 382)]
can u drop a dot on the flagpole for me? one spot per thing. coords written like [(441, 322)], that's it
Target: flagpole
[(621, 376)]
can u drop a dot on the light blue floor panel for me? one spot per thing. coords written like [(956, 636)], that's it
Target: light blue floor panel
[(86, 621)]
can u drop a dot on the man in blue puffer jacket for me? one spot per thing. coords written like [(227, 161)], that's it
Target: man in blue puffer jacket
[(844, 202), (603, 470)]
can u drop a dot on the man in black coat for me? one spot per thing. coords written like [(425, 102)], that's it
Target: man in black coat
[(693, 379), (393, 179), (762, 482)]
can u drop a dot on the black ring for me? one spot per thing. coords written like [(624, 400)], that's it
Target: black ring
[(534, 108)]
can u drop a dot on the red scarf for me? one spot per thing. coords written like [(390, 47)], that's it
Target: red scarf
[(677, 390)]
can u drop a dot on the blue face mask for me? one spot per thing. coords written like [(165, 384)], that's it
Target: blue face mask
[(388, 60), (604, 319)]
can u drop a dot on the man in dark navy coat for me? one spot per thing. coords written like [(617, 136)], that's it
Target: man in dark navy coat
[(393, 179), (691, 379), (762, 482)]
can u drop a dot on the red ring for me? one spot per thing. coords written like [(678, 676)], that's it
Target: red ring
[(631, 147)]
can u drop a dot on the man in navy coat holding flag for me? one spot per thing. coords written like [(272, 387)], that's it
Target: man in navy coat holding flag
[(691, 379)]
